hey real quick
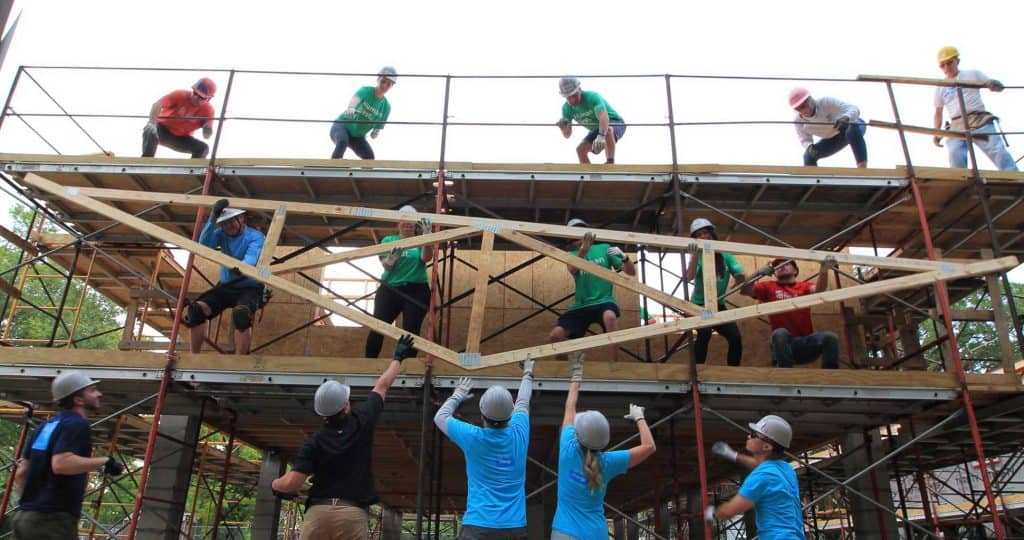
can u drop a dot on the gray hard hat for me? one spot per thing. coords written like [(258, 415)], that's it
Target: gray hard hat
[(228, 214), (68, 383), (496, 404), (568, 86), (331, 398), (389, 73), (407, 208), (577, 222), (775, 428), (592, 429)]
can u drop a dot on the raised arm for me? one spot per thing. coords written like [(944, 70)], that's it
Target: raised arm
[(575, 380), (588, 241), (525, 388), (425, 226), (828, 263), (403, 350), (646, 448), (462, 391)]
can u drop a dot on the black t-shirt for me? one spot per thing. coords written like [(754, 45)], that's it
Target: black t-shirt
[(48, 492), (340, 459)]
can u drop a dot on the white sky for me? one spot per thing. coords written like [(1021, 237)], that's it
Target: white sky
[(781, 39)]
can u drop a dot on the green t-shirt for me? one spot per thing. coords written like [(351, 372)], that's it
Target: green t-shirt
[(409, 268), (732, 267), (585, 113), (590, 289), (370, 109)]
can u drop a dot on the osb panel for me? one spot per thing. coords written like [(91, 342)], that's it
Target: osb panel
[(552, 280), (522, 280), (279, 318), (494, 320)]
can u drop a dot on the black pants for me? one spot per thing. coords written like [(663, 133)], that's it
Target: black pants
[(730, 332), (388, 304), (178, 143)]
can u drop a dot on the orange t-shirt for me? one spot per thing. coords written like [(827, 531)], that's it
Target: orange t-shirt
[(177, 103)]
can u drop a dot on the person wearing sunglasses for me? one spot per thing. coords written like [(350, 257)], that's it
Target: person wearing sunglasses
[(174, 117), (367, 113)]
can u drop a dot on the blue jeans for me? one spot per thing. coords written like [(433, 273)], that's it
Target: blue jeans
[(992, 146), (854, 136), (342, 141), (788, 350), (617, 127)]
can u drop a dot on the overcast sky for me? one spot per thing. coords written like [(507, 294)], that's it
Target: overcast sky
[(773, 39)]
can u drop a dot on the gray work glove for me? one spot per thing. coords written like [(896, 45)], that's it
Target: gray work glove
[(150, 130), (598, 144), (589, 239), (375, 133), (563, 123), (830, 261), (350, 112), (636, 413), (425, 226), (528, 366), (394, 255), (842, 123), (576, 366), (812, 151), (995, 86), (462, 391), (724, 451), (692, 249)]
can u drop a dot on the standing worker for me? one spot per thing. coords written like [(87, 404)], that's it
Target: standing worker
[(725, 265), (367, 112), (590, 110), (495, 457), (771, 488), (174, 117), (835, 123), (584, 470), (227, 232), (981, 122), (339, 457), (55, 464), (404, 288)]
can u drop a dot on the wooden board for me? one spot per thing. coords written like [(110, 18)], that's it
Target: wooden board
[(483, 271)]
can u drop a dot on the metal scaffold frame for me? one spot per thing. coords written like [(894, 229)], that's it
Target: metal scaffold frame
[(430, 486)]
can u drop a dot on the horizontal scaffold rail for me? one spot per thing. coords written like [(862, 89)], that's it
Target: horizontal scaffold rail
[(920, 272)]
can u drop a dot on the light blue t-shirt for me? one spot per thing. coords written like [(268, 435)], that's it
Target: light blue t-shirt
[(580, 513), (773, 489), (496, 471), (245, 247)]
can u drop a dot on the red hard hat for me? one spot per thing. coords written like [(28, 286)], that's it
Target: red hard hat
[(777, 263), (205, 87), (798, 96)]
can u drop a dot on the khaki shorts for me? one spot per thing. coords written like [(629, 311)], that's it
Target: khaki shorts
[(325, 522)]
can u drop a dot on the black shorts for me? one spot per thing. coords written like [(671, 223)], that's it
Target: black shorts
[(221, 298), (576, 321)]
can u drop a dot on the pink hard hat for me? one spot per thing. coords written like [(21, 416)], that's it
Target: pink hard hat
[(798, 96)]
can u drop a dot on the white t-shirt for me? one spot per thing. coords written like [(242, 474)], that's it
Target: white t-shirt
[(946, 95), (826, 111)]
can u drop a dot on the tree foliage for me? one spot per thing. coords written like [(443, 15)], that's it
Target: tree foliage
[(978, 340)]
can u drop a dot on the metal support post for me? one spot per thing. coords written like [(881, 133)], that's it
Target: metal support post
[(18, 449), (219, 515)]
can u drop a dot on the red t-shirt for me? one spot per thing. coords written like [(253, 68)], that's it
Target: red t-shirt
[(798, 322), (178, 103)]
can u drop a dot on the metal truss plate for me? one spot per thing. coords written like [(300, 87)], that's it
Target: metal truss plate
[(827, 392)]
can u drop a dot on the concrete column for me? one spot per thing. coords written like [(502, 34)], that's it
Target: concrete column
[(868, 521), (169, 476), (268, 507), (390, 524)]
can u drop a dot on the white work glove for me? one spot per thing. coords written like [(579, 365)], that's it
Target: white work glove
[(394, 255), (616, 251), (425, 226), (636, 413), (374, 133), (576, 366), (709, 514), (598, 144), (589, 239), (724, 451), (462, 391), (692, 249), (528, 366), (563, 123), (350, 112), (150, 129)]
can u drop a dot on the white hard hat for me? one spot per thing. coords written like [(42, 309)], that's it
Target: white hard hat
[(592, 429), (331, 398), (700, 223), (568, 86), (68, 383), (577, 222), (496, 404), (407, 208), (389, 73), (775, 428), (228, 214)]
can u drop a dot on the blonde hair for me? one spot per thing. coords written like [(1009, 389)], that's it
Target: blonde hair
[(592, 468)]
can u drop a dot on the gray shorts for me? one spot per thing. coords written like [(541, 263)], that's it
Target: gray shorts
[(472, 532)]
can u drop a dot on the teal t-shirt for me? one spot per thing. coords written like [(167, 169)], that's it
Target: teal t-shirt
[(409, 268), (732, 267), (370, 109), (585, 113), (590, 289)]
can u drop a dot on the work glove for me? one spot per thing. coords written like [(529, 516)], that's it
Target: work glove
[(830, 261), (404, 349), (937, 141), (616, 251), (375, 133), (528, 366), (576, 366), (636, 413), (282, 495), (113, 467), (724, 451), (350, 113), (150, 130), (563, 123), (692, 249), (709, 514), (842, 123), (589, 239), (425, 226), (766, 270), (394, 255), (812, 151), (995, 86), (218, 209), (598, 144), (462, 391)]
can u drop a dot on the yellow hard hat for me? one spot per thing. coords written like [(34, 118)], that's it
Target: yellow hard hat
[(947, 53)]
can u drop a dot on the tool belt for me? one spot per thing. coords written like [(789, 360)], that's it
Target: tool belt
[(975, 120)]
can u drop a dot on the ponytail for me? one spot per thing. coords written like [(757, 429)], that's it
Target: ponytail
[(592, 469)]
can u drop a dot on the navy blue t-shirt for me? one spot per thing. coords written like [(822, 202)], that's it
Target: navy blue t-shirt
[(48, 492)]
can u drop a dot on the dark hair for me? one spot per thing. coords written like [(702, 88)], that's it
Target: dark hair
[(500, 424), (336, 419), (68, 402)]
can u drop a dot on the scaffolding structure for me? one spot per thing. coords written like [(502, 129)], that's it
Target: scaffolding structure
[(847, 450)]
